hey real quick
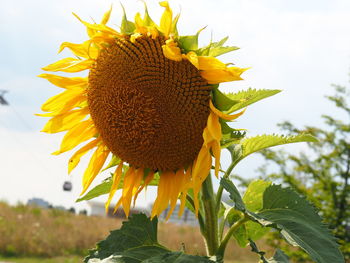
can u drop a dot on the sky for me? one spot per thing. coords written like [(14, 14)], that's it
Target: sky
[(300, 47)]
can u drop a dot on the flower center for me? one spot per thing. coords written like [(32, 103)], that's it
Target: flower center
[(150, 111)]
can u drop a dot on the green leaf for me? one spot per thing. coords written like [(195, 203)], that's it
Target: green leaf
[(127, 27), (114, 161), (106, 185), (177, 257), (134, 242), (279, 257), (253, 197), (299, 223), (101, 189), (257, 143), (234, 194), (247, 97), (253, 200)]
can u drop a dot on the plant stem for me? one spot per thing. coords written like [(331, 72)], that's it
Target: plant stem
[(200, 217), (211, 217), (221, 189), (233, 228)]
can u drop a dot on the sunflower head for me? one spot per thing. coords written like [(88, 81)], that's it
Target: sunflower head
[(149, 101)]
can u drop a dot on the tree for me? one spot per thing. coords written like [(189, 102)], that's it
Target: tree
[(322, 174)]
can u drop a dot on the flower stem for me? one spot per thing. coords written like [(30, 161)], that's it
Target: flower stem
[(221, 189), (233, 228), (211, 217)]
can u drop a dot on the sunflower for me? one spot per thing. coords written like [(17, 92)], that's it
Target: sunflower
[(148, 102)]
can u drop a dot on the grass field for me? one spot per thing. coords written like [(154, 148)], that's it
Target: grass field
[(30, 235)]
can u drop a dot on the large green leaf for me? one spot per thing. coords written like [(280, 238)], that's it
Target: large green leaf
[(299, 223), (135, 241), (247, 97), (230, 102), (257, 143), (234, 194)]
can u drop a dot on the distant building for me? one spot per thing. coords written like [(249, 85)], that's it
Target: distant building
[(38, 202), (98, 209), (187, 217)]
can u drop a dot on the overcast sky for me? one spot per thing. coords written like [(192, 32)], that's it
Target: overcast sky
[(298, 46)]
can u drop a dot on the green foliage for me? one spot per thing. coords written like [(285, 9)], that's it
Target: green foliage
[(257, 143), (215, 49), (230, 102), (284, 210), (322, 175), (136, 241), (299, 223), (278, 257)]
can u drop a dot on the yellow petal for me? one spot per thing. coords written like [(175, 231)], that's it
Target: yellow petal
[(171, 50), (200, 171), (193, 58), (65, 121), (148, 179), (174, 191), (223, 115), (214, 126), (209, 63), (166, 19), (186, 186), (70, 65), (216, 76), (140, 28), (64, 101), (132, 181), (75, 159), (95, 165), (97, 27), (116, 180), (80, 133), (106, 16), (85, 50), (64, 82), (161, 201)]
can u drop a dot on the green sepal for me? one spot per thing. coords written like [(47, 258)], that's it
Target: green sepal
[(229, 135), (189, 43), (147, 19), (215, 49), (127, 27), (221, 101)]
